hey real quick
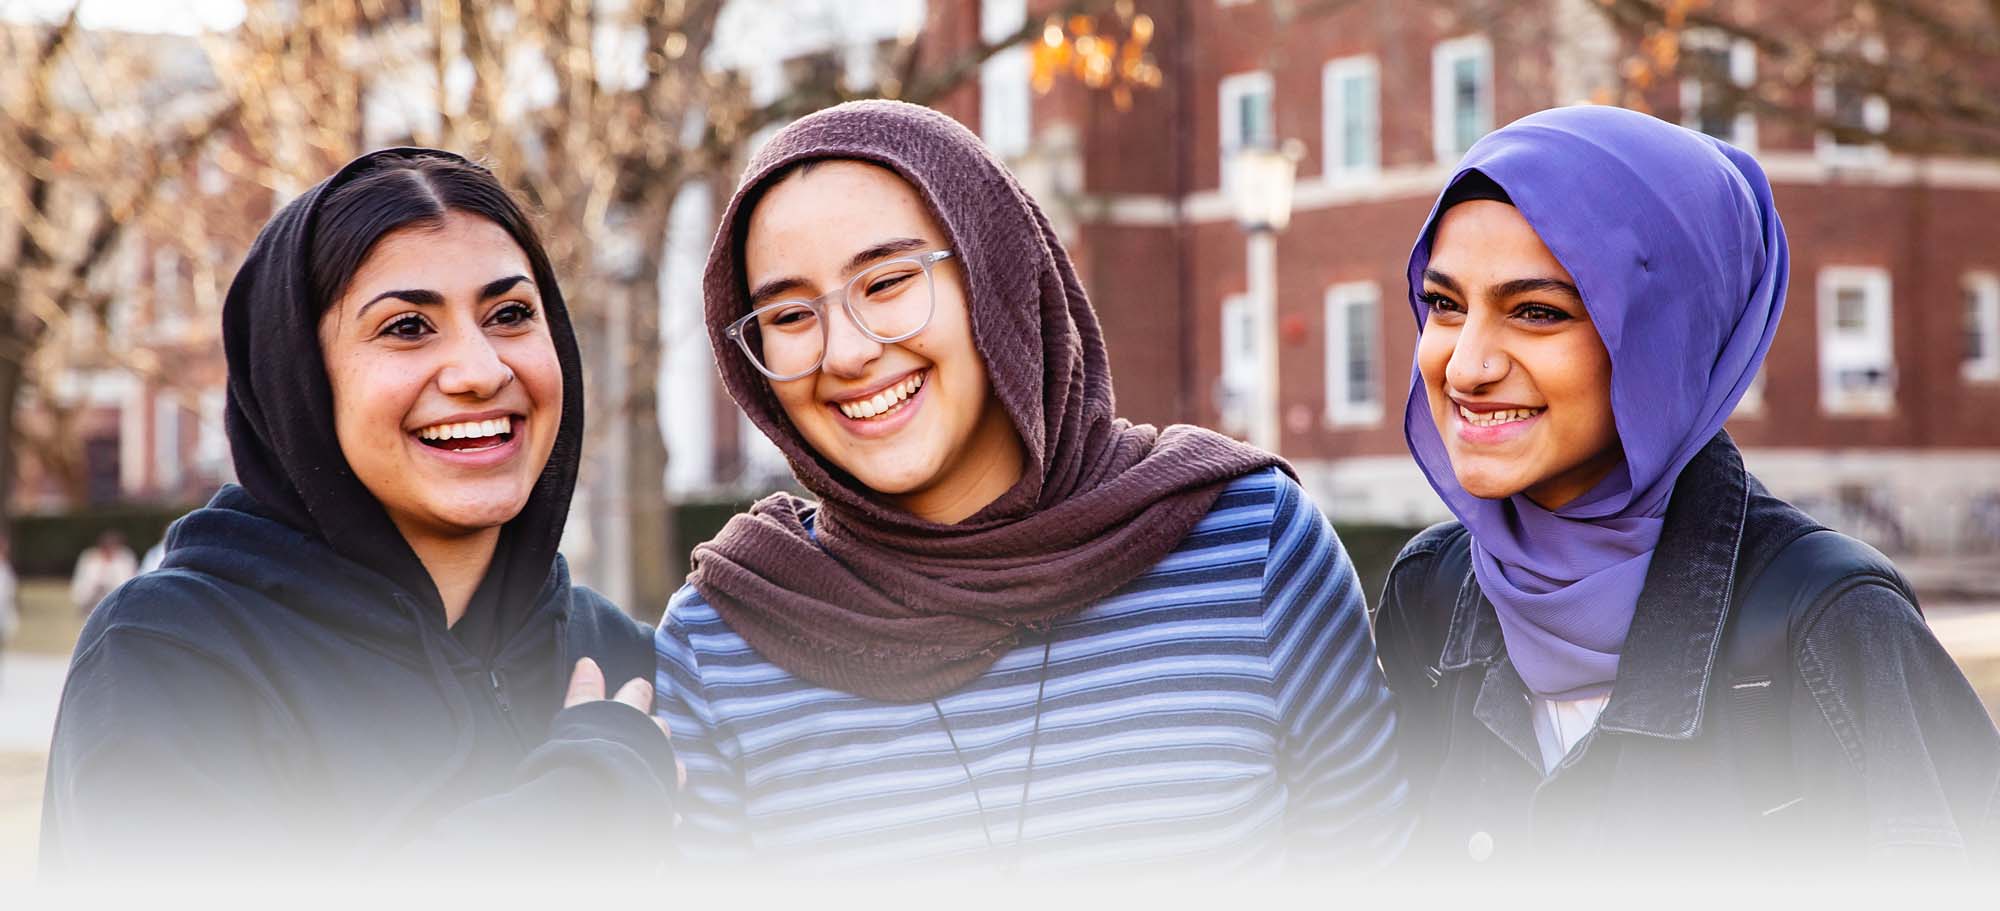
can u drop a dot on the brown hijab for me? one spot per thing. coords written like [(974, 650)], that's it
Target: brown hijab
[(875, 601)]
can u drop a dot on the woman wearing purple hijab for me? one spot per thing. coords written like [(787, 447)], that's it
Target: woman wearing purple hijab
[(1625, 649)]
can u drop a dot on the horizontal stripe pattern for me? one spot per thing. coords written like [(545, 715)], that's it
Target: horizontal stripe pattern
[(1224, 709)]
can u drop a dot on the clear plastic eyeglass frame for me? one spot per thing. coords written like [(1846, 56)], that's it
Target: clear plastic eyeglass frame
[(739, 331)]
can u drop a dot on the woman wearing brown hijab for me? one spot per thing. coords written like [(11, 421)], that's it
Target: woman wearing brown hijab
[(1013, 630)]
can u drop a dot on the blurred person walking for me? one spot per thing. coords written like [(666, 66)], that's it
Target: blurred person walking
[(1014, 632), (369, 657), (1625, 652), (100, 569)]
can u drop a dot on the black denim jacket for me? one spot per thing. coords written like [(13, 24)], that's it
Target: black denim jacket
[(1894, 753)]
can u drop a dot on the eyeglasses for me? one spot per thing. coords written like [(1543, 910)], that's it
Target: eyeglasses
[(889, 302)]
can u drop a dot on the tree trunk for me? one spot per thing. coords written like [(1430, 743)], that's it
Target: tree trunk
[(652, 533)]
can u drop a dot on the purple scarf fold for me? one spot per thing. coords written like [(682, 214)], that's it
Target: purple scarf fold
[(872, 600), (1677, 249)]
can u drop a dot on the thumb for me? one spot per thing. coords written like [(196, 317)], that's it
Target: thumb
[(586, 683)]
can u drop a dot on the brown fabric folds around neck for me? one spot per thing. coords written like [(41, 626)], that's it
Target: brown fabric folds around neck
[(876, 601)]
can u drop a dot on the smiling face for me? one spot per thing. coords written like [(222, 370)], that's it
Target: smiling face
[(447, 391), (1518, 381), (915, 420)]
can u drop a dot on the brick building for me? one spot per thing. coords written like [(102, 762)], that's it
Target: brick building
[(1876, 407)]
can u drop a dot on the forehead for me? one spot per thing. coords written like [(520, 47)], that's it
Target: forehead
[(815, 219), (463, 253), (1485, 237)]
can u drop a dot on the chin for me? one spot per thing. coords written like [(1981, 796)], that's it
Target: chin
[(1489, 485), (477, 513)]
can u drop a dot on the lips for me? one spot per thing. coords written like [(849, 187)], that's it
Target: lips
[(468, 436), (883, 403)]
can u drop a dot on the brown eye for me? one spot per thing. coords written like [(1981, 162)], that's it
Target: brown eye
[(1438, 303), (407, 326), (514, 315), (1541, 313)]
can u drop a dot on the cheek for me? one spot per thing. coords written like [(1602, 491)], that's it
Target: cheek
[(1434, 349), (535, 365), (1577, 384)]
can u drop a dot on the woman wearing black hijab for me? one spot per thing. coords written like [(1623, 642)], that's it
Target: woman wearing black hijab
[(356, 660)]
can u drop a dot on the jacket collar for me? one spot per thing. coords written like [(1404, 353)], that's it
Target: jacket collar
[(1670, 651)]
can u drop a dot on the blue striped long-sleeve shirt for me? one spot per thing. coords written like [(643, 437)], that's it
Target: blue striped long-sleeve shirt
[(1224, 710)]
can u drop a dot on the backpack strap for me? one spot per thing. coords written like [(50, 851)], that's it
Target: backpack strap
[(1756, 658)]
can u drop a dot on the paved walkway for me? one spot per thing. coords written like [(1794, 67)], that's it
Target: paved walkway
[(30, 687)]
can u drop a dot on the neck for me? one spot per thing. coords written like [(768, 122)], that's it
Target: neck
[(991, 466), (1560, 491), (456, 563)]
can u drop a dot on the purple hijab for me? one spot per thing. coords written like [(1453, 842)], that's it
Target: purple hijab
[(1679, 255)]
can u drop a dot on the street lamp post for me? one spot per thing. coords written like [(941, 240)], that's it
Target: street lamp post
[(1260, 188)]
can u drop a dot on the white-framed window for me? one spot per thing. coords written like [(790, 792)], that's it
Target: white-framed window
[(1238, 376), (1353, 354), (1843, 97), (1246, 115), (1461, 95), (1857, 362), (1720, 72), (1005, 93), (1350, 93), (1982, 328)]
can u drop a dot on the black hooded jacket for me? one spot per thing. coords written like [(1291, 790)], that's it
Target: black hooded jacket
[(285, 693)]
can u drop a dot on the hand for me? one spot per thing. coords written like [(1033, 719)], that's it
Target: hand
[(586, 684)]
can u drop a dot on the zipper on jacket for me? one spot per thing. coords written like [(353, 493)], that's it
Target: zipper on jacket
[(500, 691)]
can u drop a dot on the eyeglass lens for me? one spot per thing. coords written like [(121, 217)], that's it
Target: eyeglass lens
[(891, 302)]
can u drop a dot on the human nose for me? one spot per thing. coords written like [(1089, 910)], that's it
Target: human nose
[(474, 368), (1477, 359), (849, 350)]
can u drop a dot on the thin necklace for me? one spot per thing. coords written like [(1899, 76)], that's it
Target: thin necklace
[(1027, 776)]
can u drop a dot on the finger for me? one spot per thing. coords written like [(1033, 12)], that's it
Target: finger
[(637, 693), (586, 683), (680, 773)]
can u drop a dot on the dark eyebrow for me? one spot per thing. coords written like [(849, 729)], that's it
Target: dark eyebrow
[(778, 286), (1449, 284), (885, 248), (417, 296), (427, 298), (1508, 289), (500, 286), (1522, 286)]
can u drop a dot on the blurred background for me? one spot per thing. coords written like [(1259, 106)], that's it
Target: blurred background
[(1239, 182)]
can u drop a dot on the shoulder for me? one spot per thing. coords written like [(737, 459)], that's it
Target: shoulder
[(1442, 548), (689, 617), (173, 625), (1442, 538), (598, 628), (180, 605)]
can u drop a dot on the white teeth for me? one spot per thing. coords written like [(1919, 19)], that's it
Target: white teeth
[(883, 402), (466, 430), (1496, 418)]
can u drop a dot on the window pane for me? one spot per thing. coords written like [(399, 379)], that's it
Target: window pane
[(1975, 329), (1850, 310), (1357, 106), (1709, 66), (1256, 119), (1361, 367), (1465, 102)]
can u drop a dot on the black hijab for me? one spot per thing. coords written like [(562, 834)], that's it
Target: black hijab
[(280, 407)]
